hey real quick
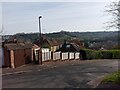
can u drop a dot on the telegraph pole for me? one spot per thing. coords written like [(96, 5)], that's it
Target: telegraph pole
[(40, 42)]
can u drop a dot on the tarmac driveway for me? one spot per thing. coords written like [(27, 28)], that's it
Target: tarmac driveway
[(78, 75)]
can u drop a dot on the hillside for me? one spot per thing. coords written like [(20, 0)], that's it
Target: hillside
[(85, 35), (99, 39)]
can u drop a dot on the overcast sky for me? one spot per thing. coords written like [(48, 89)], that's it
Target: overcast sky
[(20, 17)]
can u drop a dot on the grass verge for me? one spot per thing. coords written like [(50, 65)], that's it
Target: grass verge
[(113, 78)]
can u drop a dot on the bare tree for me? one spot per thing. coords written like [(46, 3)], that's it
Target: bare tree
[(114, 10), (1, 31)]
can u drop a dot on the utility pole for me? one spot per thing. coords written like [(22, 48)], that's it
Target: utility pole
[(40, 42)]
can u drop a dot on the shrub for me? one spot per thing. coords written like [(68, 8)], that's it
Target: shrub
[(98, 55), (111, 54), (116, 54), (106, 54), (90, 54)]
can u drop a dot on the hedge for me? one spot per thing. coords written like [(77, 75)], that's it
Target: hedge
[(106, 54), (111, 54)]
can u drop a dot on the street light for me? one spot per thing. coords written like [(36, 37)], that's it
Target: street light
[(40, 44)]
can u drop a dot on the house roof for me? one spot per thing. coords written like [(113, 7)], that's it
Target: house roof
[(77, 48), (35, 46), (16, 46), (73, 48), (52, 42)]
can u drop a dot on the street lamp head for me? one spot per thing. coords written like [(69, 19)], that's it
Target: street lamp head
[(40, 17)]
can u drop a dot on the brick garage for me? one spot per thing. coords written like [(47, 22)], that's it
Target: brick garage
[(17, 54)]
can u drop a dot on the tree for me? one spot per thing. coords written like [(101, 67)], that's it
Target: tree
[(114, 10), (1, 31)]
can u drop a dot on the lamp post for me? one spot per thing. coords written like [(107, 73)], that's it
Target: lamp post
[(40, 42)]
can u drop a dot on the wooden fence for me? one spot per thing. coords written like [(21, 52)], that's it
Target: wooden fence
[(46, 56), (56, 56), (71, 55), (65, 56), (77, 55), (60, 56)]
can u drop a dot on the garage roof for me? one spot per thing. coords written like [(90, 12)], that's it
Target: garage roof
[(16, 46)]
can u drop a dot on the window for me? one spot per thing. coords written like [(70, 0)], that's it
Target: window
[(67, 46)]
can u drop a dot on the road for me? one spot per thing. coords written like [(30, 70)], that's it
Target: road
[(80, 75)]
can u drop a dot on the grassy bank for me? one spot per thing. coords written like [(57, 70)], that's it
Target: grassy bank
[(113, 78)]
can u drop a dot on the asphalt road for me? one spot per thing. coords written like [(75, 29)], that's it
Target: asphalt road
[(83, 75)]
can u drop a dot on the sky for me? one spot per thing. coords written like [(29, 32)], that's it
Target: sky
[(18, 17)]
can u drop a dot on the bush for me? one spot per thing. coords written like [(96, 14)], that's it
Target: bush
[(90, 54), (98, 55), (106, 54), (116, 54), (111, 54)]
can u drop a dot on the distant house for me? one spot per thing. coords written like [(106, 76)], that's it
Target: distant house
[(52, 44), (102, 48), (69, 47), (17, 54)]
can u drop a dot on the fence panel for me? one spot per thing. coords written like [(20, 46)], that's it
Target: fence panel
[(56, 55), (77, 55), (65, 56), (50, 55), (46, 56), (71, 55), (43, 56)]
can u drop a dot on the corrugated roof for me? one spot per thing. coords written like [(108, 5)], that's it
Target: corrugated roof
[(16, 46)]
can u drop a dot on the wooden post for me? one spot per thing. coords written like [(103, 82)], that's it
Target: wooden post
[(74, 55), (12, 59), (69, 56), (51, 55), (60, 55)]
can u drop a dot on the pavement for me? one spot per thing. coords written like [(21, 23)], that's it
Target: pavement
[(59, 74)]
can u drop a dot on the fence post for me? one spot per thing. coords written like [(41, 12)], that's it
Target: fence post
[(60, 55), (79, 56), (51, 55), (74, 55), (68, 55)]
